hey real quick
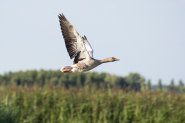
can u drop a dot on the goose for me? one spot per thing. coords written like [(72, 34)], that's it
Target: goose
[(79, 49)]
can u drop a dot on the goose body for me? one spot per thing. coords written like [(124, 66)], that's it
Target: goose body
[(79, 49)]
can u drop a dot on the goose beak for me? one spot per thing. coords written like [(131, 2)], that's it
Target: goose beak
[(117, 59)]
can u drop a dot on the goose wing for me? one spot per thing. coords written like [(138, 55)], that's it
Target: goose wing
[(78, 47), (88, 46)]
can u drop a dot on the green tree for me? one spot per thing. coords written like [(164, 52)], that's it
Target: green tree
[(149, 86), (135, 80), (181, 86), (160, 85), (172, 87)]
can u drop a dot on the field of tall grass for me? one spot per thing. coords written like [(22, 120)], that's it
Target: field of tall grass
[(87, 105)]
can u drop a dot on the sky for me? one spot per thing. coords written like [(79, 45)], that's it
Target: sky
[(148, 36)]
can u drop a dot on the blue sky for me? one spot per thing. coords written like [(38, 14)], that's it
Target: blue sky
[(147, 35)]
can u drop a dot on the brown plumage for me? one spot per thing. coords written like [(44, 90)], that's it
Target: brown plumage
[(78, 48)]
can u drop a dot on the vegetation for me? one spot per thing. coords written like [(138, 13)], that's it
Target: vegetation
[(8, 114), (52, 97), (58, 105), (77, 80), (133, 81)]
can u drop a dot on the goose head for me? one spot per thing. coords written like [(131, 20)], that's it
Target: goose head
[(110, 59)]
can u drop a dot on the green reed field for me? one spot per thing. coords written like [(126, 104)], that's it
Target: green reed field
[(58, 105)]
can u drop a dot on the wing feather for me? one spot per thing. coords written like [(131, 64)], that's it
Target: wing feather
[(88, 46), (78, 47), (70, 38)]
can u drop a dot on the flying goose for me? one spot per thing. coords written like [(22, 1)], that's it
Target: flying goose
[(78, 48)]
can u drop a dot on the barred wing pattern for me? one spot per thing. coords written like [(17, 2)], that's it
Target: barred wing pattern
[(78, 47)]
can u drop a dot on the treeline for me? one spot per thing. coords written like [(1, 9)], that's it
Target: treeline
[(77, 80), (133, 81)]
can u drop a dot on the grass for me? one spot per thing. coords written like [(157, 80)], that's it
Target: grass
[(58, 105), (8, 114)]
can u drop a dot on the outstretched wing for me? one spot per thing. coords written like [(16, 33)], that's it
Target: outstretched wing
[(70, 36), (78, 47)]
